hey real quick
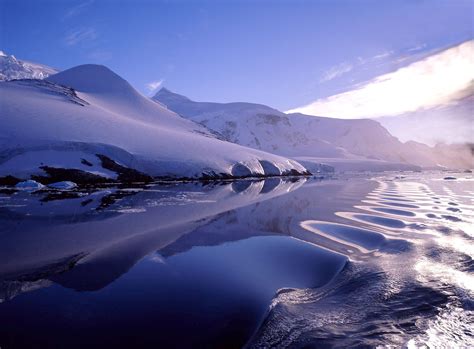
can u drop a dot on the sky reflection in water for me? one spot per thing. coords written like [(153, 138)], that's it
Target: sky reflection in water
[(283, 263)]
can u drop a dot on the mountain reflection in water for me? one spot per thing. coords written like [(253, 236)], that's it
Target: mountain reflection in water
[(268, 263)]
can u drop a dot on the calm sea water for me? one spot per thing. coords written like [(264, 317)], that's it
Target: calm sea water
[(344, 262)]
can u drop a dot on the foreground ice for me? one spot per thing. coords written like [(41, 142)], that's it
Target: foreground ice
[(29, 185)]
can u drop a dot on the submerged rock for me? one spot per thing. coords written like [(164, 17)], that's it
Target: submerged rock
[(29, 185), (449, 178), (9, 180)]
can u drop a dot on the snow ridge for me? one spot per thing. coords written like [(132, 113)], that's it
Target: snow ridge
[(361, 143), (12, 68)]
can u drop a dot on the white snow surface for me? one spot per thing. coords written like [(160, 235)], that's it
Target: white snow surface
[(89, 109), (365, 143), (12, 68)]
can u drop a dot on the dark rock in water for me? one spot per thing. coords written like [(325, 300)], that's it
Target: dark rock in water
[(125, 174), (87, 163), (63, 195), (86, 202), (10, 180), (449, 178), (70, 174), (112, 198)]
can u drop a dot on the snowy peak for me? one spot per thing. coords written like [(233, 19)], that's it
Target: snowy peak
[(92, 78), (166, 97), (12, 68), (190, 109)]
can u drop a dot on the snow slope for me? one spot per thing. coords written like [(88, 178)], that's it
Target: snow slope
[(87, 110), (12, 68), (307, 137)]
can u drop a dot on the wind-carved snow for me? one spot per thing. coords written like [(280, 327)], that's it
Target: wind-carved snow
[(345, 144), (12, 68), (89, 111)]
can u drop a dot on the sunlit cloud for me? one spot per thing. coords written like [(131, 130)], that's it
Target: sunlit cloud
[(433, 81), (154, 85), (80, 35)]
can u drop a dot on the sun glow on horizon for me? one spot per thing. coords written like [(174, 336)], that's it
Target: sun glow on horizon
[(433, 81)]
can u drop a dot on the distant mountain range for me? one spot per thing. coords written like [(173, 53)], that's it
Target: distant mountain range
[(87, 124), (12, 68), (345, 144)]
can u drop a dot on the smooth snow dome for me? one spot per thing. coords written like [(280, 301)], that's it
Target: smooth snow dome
[(104, 109), (93, 78)]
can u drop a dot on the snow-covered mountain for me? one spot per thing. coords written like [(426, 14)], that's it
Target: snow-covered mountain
[(88, 121), (12, 68), (357, 144)]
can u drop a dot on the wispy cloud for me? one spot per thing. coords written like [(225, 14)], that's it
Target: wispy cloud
[(430, 82), (382, 55), (77, 9), (80, 35), (346, 67), (336, 71), (154, 85), (417, 48)]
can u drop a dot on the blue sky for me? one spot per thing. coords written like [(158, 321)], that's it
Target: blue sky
[(281, 53)]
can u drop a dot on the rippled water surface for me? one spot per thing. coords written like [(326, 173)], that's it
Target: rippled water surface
[(383, 261)]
